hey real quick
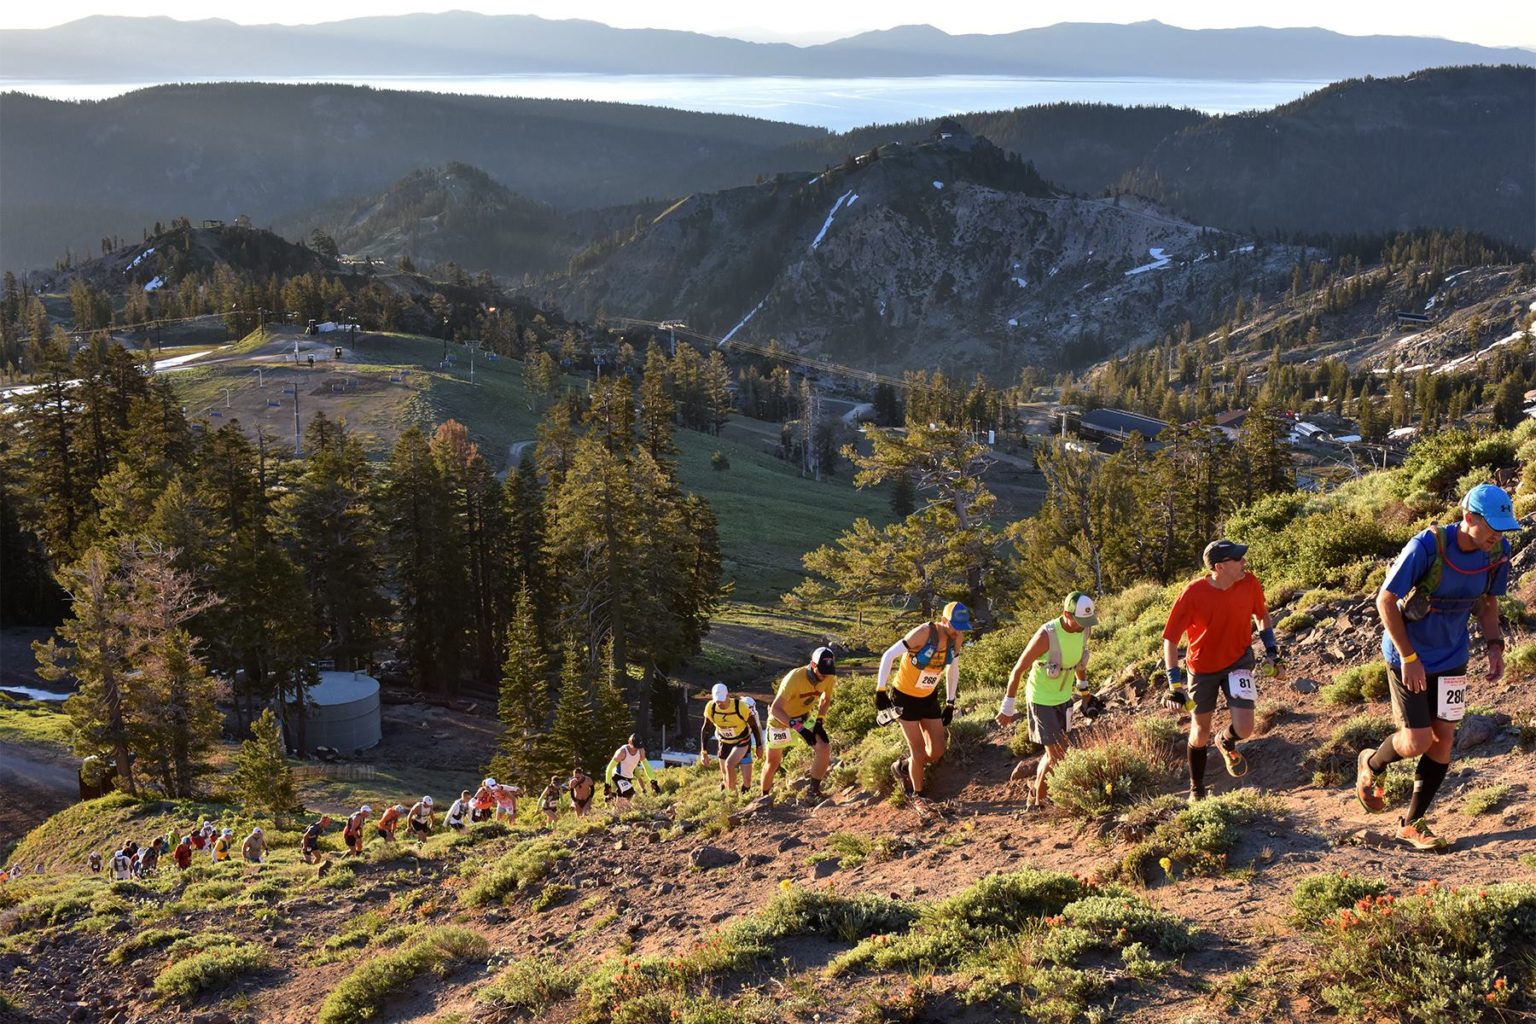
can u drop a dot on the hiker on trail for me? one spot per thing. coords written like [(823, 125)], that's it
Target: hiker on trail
[(484, 808), (549, 799), (222, 844), (149, 859), (419, 820), (182, 855), (94, 862), (254, 849), (122, 865), (926, 655), (506, 800), (1216, 612), (799, 710), (389, 821), (309, 846), (735, 728), (1056, 663), (352, 832), (582, 789), (1443, 576), (620, 773), (458, 812)]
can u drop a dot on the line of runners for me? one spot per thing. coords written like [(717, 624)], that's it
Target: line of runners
[(1442, 577)]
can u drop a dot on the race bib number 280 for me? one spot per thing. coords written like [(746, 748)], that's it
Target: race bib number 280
[(1241, 684), (1452, 698)]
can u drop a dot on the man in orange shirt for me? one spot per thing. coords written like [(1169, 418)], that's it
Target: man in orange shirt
[(1216, 612)]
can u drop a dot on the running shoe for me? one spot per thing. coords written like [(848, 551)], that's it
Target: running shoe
[(1235, 763), (1416, 834), (1371, 796), (899, 773), (1196, 794)]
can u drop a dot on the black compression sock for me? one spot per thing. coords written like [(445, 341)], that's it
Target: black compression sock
[(1385, 755), (1233, 739), (1197, 767), (1427, 777)]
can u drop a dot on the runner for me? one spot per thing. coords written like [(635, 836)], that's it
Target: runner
[(222, 844), (799, 709), (254, 849), (149, 859), (1057, 653), (420, 819), (737, 730), (1442, 576), (581, 788), (506, 801), (94, 862), (620, 773), (309, 846), (549, 799), (485, 801), (458, 812), (389, 822), (182, 855), (352, 832), (1216, 612), (122, 865), (923, 657)]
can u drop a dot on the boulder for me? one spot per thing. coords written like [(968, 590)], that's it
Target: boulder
[(1476, 730), (707, 858)]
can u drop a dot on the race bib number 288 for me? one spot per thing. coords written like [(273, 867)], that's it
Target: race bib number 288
[(1452, 698)]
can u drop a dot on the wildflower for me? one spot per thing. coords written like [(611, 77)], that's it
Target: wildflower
[(1500, 983), (1167, 865)]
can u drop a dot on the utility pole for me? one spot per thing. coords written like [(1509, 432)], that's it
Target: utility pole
[(298, 441)]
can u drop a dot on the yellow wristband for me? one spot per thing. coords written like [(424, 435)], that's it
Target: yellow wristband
[(1409, 659)]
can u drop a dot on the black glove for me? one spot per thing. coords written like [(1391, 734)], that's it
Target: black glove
[(882, 700), (806, 734), (949, 712), (1089, 706), (655, 788), (607, 790), (1178, 699)]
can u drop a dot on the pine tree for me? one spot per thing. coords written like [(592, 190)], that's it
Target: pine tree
[(523, 704), (571, 735), (611, 719), (262, 779)]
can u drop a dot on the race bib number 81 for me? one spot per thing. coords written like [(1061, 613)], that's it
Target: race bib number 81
[(1240, 684), (1452, 698)]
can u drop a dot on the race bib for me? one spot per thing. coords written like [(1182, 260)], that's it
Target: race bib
[(625, 787), (1240, 684), (728, 734), (1452, 698), (927, 682)]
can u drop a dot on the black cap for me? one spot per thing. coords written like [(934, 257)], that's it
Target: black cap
[(1223, 551)]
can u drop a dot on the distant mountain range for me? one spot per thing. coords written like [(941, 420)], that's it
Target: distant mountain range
[(158, 49)]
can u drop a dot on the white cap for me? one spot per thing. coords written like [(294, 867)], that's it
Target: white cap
[(256, 831), (399, 808), (229, 831), (366, 809), (719, 692), (1081, 607), (426, 800), (489, 783)]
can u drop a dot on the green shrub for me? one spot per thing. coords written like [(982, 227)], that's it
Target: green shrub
[(1139, 964), (1160, 732), (802, 911), (533, 984), (1094, 781), (1439, 955), (1333, 762), (551, 896), (361, 994), (1487, 799), (148, 939), (526, 863), (1438, 460), (1357, 684), (182, 979), (1115, 920), (1295, 622), (1317, 896), (1197, 840)]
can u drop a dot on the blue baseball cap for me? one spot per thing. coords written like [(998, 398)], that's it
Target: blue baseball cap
[(959, 615), (1493, 504)]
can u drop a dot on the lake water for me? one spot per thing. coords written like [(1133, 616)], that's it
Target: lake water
[(835, 103)]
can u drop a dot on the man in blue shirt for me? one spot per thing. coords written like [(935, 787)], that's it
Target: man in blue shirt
[(1443, 576)]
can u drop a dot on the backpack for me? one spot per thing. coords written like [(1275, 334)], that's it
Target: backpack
[(1416, 604), (1053, 665)]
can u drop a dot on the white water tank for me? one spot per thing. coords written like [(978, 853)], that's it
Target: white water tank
[(343, 712)]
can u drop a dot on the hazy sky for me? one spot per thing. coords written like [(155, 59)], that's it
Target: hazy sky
[(1491, 22)]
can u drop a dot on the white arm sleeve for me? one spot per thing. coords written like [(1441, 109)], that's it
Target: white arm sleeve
[(952, 681), (888, 659)]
